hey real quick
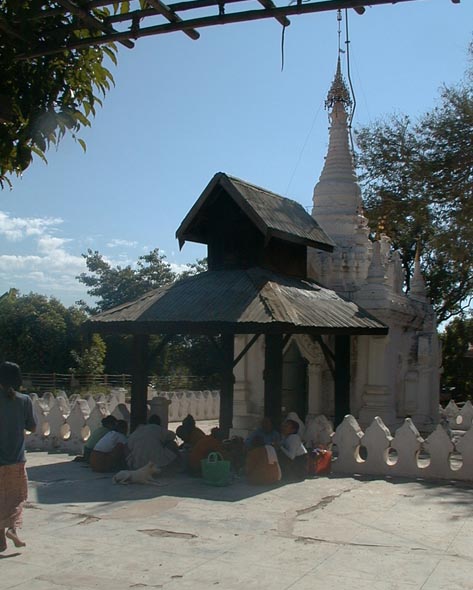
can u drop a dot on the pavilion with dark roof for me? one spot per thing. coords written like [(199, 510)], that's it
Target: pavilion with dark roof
[(256, 284)]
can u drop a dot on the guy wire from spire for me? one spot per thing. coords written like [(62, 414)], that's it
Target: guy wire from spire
[(352, 114), (339, 20)]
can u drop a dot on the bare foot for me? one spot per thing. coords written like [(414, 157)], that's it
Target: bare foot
[(11, 534), (3, 540)]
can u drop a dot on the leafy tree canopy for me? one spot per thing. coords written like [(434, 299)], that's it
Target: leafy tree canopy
[(38, 332), (116, 285), (42, 99), (91, 359), (417, 179), (458, 359)]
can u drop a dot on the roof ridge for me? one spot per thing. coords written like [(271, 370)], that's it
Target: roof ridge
[(261, 189)]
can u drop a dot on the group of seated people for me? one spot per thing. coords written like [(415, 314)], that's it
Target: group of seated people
[(266, 456)]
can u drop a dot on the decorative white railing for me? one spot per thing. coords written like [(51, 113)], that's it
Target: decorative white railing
[(66, 423), (459, 418), (406, 454)]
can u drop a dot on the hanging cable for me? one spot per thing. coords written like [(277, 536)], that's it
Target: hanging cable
[(352, 113), (283, 37), (339, 21), (303, 148)]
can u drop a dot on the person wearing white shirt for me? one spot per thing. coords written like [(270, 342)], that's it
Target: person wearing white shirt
[(109, 452), (292, 453)]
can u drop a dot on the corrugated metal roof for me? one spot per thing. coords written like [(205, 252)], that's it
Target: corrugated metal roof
[(239, 301), (275, 215)]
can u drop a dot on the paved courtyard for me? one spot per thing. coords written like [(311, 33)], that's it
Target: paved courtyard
[(84, 532)]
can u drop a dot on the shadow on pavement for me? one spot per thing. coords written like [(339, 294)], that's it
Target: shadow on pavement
[(69, 482)]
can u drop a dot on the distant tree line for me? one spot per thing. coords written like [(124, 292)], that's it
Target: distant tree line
[(44, 336)]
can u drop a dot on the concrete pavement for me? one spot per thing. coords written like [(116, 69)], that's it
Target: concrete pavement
[(83, 532)]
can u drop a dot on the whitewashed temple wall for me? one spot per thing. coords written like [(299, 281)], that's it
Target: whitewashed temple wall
[(248, 391), (393, 377)]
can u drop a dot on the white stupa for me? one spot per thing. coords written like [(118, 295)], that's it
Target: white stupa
[(394, 376)]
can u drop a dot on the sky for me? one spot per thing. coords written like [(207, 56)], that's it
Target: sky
[(182, 110)]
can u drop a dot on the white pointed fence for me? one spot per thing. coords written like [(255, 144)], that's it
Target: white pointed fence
[(458, 418), (66, 423), (406, 454)]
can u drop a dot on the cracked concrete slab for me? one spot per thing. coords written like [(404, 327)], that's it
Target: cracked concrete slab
[(83, 533)]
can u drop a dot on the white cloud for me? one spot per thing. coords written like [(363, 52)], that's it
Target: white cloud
[(18, 228), (178, 268), (48, 244), (116, 243), (48, 267)]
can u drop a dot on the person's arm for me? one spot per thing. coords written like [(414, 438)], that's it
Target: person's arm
[(30, 420), (290, 446)]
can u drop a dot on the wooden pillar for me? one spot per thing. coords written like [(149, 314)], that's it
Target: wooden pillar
[(273, 377), (139, 380), (227, 383), (342, 378)]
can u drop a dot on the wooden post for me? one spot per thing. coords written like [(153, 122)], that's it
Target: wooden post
[(342, 378), (139, 381), (228, 380), (273, 377)]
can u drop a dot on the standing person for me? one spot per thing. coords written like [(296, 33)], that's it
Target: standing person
[(16, 416)]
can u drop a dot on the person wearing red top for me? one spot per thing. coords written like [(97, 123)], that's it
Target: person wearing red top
[(262, 466), (202, 448)]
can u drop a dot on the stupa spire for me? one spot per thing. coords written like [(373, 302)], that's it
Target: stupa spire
[(338, 92), (417, 287), (337, 196)]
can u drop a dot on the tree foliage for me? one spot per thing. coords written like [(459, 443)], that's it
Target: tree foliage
[(91, 360), (38, 332), (114, 285), (457, 364), (417, 179), (44, 98)]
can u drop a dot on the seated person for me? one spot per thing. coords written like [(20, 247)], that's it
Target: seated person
[(188, 432), (292, 453), (109, 453), (295, 418), (262, 466), (151, 442), (202, 448), (108, 423), (235, 452), (266, 431)]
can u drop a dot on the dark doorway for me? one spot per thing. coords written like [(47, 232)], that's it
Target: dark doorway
[(294, 382)]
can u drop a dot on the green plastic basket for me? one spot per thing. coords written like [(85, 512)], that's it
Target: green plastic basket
[(216, 470)]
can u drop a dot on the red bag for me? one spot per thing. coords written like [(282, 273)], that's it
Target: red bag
[(319, 462)]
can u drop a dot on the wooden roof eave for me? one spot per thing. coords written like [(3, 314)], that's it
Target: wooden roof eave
[(220, 178), (216, 328), (182, 230), (288, 237)]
